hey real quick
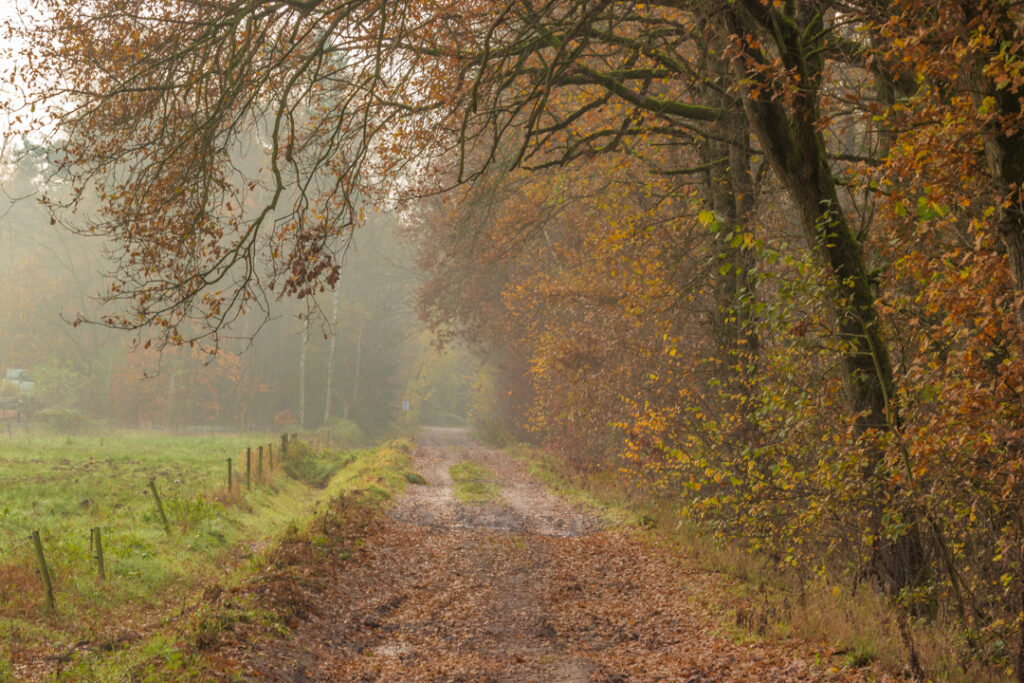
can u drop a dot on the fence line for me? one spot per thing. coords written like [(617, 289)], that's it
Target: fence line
[(95, 539)]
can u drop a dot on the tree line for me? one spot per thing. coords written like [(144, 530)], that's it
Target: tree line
[(356, 364)]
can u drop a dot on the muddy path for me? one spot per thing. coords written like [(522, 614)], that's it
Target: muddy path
[(525, 506), (530, 588)]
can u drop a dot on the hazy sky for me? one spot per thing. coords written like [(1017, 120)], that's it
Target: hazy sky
[(11, 11)]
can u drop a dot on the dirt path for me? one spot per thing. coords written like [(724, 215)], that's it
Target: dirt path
[(526, 507), (528, 589)]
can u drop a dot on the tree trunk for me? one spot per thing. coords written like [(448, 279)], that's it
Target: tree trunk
[(359, 361), (302, 372), (108, 393), (172, 422), (726, 153), (787, 127), (330, 358), (1004, 143)]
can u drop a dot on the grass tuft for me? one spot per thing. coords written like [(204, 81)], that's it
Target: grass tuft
[(474, 483), (415, 478)]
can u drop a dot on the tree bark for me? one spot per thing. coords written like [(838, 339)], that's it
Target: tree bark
[(726, 153), (359, 361), (1004, 143), (330, 358), (172, 421)]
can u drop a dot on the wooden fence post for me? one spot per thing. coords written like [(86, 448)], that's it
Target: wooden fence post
[(284, 445), (44, 571), (259, 464), (229, 475), (159, 505), (97, 545), (248, 469), (270, 455)]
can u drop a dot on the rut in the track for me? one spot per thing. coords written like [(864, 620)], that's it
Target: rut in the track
[(529, 589)]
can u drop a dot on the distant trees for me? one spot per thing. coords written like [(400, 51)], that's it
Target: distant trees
[(50, 277)]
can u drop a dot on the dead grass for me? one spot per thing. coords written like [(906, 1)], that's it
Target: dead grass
[(17, 580)]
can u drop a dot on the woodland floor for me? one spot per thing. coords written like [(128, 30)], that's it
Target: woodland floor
[(531, 588)]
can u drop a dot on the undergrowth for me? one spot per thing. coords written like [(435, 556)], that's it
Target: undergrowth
[(768, 601), (315, 465), (341, 434)]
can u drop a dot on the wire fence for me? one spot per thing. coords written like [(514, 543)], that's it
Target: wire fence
[(261, 464)]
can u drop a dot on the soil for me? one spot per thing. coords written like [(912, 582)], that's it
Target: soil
[(529, 589)]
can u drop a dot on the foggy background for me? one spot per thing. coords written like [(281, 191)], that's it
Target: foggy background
[(362, 360)]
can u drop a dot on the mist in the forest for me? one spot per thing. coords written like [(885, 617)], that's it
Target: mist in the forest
[(354, 355)]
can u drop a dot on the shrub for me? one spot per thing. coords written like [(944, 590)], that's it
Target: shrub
[(284, 419), (342, 434), (403, 446), (60, 385), (493, 432), (63, 420), (314, 467)]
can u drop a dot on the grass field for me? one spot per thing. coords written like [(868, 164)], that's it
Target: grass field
[(64, 486)]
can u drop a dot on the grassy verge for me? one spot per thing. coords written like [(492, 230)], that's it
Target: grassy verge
[(474, 483), (766, 601), (64, 487), (363, 483)]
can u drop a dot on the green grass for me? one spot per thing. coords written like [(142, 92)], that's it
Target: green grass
[(474, 483), (65, 486), (171, 652), (381, 473), (316, 466)]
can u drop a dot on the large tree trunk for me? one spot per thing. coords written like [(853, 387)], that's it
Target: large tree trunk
[(730, 192), (726, 154), (1004, 142), (787, 126)]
